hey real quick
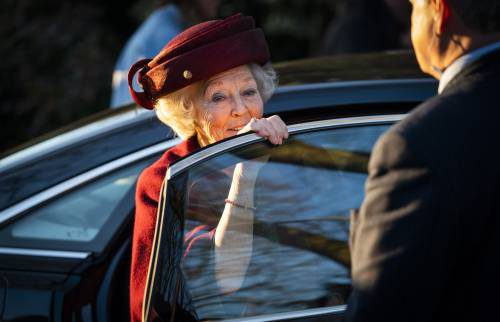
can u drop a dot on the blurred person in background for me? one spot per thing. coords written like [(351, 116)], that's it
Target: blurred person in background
[(161, 26), (426, 240), (368, 26)]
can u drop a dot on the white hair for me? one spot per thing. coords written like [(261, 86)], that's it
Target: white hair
[(177, 109), (266, 79)]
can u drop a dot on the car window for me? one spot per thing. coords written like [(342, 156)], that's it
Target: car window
[(82, 219), (284, 248)]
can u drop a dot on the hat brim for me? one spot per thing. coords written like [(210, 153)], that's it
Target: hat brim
[(207, 61)]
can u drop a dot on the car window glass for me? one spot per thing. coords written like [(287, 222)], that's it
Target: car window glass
[(288, 250), (80, 216)]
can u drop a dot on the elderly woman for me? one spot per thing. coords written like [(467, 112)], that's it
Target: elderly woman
[(208, 83)]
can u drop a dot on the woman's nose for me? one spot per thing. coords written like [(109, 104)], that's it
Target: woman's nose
[(239, 107)]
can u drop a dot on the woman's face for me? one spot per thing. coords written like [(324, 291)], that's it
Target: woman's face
[(227, 102)]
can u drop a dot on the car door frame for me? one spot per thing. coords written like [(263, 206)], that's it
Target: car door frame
[(182, 165)]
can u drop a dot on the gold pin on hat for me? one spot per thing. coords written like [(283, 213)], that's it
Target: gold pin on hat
[(187, 74)]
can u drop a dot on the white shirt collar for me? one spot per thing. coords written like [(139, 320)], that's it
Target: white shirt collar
[(458, 65)]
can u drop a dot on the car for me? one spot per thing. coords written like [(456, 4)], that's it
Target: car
[(67, 204)]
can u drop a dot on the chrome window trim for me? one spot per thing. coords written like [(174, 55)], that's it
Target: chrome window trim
[(17, 209), (293, 315), (43, 253), (217, 148)]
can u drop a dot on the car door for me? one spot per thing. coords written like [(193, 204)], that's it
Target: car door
[(55, 255), (66, 250), (289, 257)]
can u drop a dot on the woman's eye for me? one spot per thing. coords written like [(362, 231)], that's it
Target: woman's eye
[(217, 98), (250, 92)]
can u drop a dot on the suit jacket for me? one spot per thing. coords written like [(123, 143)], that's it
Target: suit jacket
[(426, 241)]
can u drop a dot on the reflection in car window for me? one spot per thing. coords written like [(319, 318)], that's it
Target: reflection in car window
[(298, 256), (78, 216)]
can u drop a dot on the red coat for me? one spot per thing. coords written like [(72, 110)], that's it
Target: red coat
[(146, 201)]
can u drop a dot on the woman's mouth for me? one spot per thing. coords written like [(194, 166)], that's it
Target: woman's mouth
[(236, 129)]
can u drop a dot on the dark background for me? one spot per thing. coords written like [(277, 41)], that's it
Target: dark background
[(58, 56)]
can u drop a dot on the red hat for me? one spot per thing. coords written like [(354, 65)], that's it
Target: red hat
[(199, 53)]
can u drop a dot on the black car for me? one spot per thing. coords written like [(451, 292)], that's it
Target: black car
[(67, 202)]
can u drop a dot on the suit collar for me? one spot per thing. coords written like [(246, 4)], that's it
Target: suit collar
[(467, 59), (464, 62)]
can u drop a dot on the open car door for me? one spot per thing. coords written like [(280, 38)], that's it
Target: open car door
[(288, 258)]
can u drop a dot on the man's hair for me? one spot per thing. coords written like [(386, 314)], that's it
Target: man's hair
[(482, 16)]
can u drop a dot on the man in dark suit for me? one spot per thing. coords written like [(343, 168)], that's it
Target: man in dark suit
[(426, 241)]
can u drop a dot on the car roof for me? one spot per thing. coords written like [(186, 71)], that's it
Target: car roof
[(371, 66), (319, 83)]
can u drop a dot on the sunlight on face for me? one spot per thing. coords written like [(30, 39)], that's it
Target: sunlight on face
[(422, 33), (227, 102)]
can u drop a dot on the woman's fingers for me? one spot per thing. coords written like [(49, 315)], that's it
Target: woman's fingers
[(272, 135), (284, 128), (272, 128), (260, 128), (279, 127)]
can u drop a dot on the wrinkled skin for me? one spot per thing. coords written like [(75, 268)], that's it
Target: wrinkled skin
[(229, 104)]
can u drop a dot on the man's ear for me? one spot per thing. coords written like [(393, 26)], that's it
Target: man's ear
[(442, 12)]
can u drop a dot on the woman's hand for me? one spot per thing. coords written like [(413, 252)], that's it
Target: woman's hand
[(272, 128)]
